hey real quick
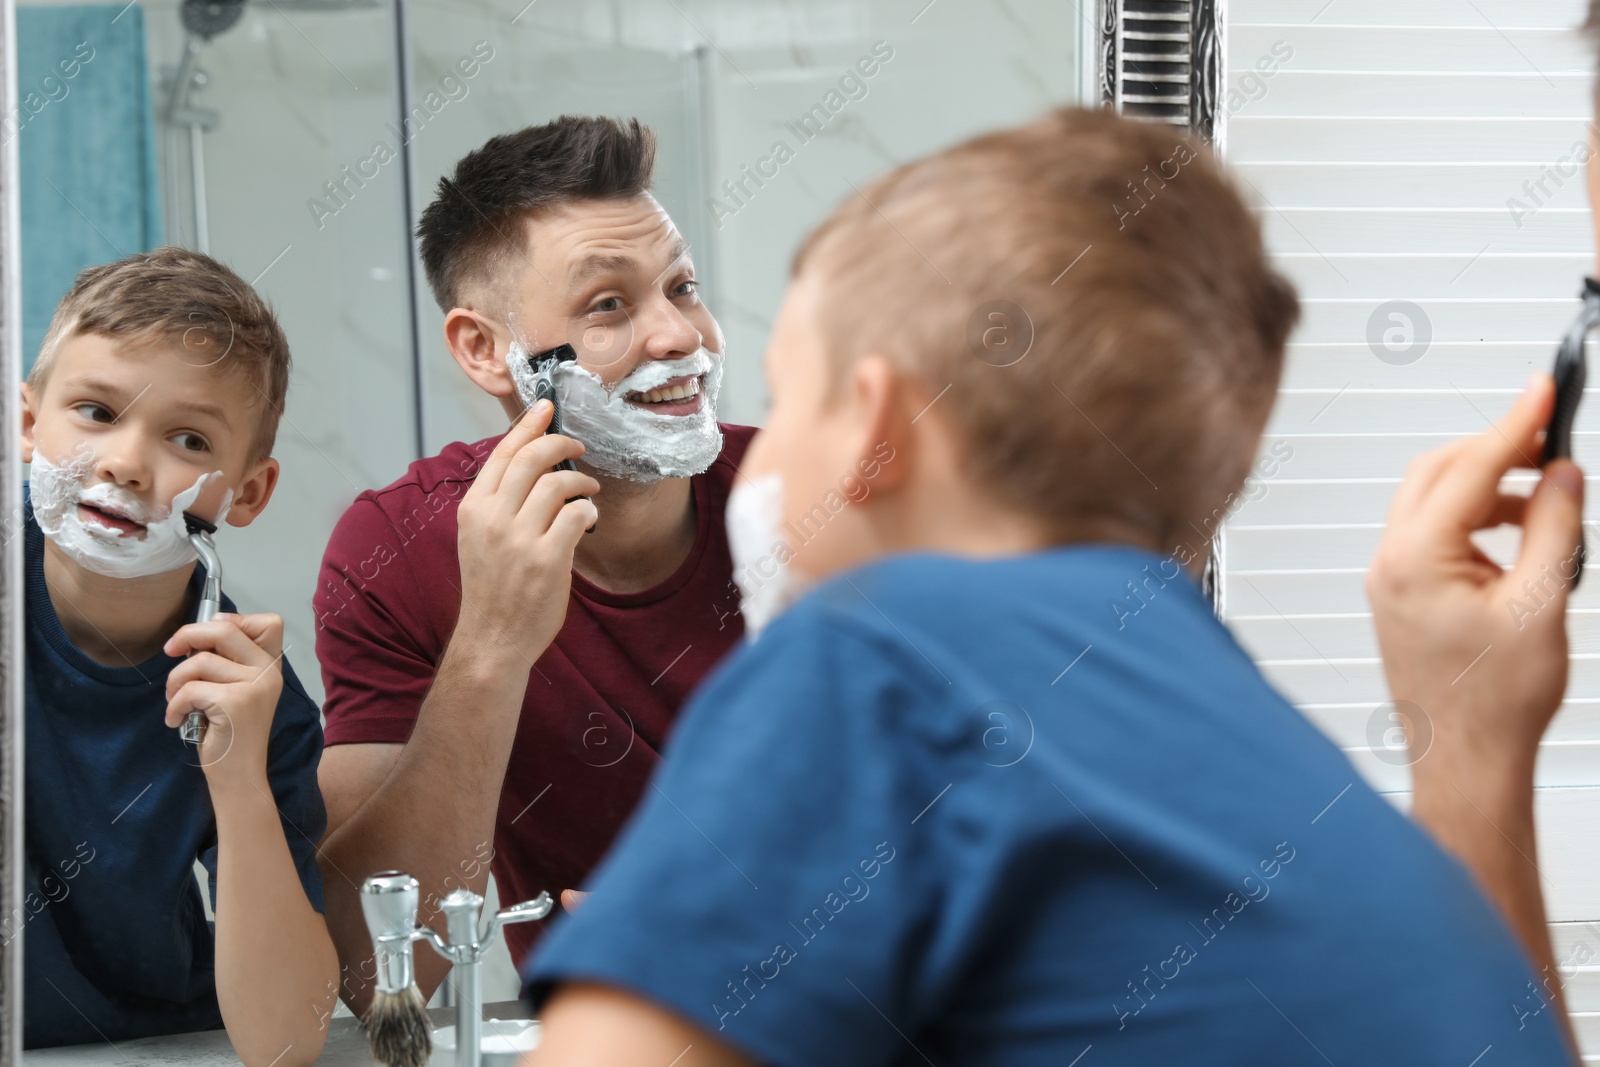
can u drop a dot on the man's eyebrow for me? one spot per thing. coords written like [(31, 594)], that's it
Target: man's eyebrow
[(617, 263), (589, 266)]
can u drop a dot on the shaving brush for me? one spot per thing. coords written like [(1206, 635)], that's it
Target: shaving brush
[(397, 1025)]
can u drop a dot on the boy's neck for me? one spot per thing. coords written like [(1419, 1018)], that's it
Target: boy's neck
[(645, 532), (117, 622)]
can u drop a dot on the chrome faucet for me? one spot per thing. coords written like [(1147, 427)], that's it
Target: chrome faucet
[(469, 941)]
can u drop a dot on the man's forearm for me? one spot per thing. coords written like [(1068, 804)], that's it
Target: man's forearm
[(434, 815), (1486, 820)]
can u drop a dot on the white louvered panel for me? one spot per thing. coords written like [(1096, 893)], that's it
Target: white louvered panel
[(1426, 276), (1325, 368), (1383, 152), (1297, 91), (1403, 139), (1430, 186), (1567, 818)]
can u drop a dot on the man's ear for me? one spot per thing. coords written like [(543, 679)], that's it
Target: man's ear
[(29, 417), (887, 403), (471, 338), (253, 493)]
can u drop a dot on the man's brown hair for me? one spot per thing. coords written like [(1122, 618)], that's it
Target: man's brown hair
[(1124, 261), (187, 300), (472, 236)]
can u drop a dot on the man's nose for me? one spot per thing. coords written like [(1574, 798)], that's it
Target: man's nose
[(668, 332)]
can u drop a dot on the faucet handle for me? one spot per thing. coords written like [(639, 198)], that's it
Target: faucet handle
[(537, 908), (527, 911)]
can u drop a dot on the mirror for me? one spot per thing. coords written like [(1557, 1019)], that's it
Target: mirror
[(298, 140)]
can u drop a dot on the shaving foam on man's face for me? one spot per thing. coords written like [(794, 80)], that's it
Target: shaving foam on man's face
[(659, 421), (107, 529)]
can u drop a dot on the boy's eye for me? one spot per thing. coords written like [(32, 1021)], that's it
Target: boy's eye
[(193, 442), (94, 412)]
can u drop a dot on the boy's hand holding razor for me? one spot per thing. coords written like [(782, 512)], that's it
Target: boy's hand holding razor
[(1476, 654), (233, 676)]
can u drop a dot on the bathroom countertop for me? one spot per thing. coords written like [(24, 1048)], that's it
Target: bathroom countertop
[(346, 1047)]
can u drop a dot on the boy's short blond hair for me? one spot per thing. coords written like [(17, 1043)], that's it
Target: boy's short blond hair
[(190, 301), (1095, 295)]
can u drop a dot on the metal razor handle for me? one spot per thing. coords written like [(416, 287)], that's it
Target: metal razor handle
[(193, 730)]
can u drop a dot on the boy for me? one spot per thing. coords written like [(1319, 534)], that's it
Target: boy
[(158, 389), (998, 787)]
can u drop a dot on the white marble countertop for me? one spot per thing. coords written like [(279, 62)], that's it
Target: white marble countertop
[(346, 1047)]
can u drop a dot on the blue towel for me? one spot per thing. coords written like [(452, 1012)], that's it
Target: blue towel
[(91, 191)]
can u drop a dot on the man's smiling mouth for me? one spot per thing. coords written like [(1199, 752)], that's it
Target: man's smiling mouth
[(678, 396)]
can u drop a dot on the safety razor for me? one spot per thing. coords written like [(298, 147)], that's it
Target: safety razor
[(193, 729)]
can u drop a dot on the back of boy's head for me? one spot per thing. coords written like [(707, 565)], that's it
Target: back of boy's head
[(205, 312), (1126, 264)]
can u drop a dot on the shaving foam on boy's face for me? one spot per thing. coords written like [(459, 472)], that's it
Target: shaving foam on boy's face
[(621, 434), (107, 529), (767, 583)]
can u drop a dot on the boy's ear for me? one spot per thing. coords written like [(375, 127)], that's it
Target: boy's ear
[(472, 344), (250, 499), (888, 403), (28, 419)]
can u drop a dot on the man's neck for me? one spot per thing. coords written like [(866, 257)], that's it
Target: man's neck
[(644, 533), (117, 622)]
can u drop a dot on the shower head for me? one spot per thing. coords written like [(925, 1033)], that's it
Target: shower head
[(207, 18)]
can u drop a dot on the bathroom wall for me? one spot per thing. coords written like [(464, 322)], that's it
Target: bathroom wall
[(302, 94)]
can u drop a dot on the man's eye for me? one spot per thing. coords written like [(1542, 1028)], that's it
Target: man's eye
[(606, 306), (192, 442), (94, 412), (687, 288)]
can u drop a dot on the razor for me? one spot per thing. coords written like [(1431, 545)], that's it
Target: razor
[(1570, 372), (193, 729), (544, 365)]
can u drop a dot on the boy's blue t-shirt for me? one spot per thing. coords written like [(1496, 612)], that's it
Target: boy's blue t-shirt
[(1040, 810), (115, 940)]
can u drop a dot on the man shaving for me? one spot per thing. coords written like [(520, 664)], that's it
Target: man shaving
[(500, 681)]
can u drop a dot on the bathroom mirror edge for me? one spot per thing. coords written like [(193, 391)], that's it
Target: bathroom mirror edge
[(11, 598)]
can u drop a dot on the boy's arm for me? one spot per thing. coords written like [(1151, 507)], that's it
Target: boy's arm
[(1481, 678), (588, 1025), (276, 969)]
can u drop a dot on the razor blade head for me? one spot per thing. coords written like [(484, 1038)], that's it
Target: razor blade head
[(195, 524), (546, 360)]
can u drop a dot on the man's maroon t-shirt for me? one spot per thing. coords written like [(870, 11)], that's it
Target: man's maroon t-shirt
[(600, 700)]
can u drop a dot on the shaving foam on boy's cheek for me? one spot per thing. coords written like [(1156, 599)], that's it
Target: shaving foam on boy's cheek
[(620, 438), (55, 493), (767, 584)]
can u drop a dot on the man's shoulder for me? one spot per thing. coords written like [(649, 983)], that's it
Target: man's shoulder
[(458, 463)]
